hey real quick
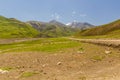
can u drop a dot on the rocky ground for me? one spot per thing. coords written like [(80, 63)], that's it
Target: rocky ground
[(94, 62)]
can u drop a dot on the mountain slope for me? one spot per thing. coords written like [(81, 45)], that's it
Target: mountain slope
[(54, 22), (80, 25), (12, 28), (111, 29), (51, 29)]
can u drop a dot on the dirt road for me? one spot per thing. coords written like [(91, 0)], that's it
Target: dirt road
[(106, 42)]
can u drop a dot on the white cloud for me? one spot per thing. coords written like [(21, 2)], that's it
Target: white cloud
[(52, 15), (56, 16), (74, 12), (83, 15), (75, 20)]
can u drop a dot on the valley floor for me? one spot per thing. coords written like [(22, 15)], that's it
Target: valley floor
[(83, 62)]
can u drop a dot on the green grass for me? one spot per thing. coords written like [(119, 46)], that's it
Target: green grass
[(6, 68), (41, 45), (28, 74), (98, 58)]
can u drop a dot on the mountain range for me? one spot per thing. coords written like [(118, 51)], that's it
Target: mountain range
[(13, 28), (52, 28)]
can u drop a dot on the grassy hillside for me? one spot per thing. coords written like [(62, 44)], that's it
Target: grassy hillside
[(12, 28), (52, 30), (111, 30)]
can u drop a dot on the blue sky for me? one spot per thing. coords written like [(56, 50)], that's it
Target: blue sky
[(93, 11)]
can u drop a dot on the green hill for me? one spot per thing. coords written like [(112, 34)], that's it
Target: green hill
[(111, 30), (12, 28)]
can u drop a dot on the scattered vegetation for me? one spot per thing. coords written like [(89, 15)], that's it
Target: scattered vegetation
[(28, 74), (81, 49), (6, 68), (98, 58)]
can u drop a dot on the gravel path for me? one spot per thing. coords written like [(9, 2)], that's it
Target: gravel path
[(106, 42)]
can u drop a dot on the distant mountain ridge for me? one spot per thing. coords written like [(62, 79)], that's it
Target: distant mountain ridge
[(54, 22), (80, 25), (52, 28)]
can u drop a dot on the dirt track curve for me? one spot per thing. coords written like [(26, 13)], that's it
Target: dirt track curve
[(105, 42)]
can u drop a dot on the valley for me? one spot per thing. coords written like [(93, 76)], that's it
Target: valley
[(59, 40), (35, 50)]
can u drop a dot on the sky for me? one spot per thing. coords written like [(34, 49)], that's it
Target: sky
[(96, 12)]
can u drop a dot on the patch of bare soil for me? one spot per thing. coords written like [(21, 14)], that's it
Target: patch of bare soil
[(64, 65), (7, 41)]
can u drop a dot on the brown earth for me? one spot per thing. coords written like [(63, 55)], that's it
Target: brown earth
[(7, 41), (63, 65)]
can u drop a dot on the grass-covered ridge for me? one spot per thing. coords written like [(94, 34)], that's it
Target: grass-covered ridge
[(41, 45), (111, 30), (12, 28)]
